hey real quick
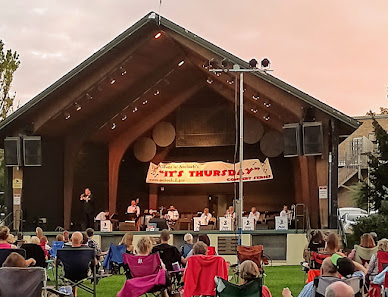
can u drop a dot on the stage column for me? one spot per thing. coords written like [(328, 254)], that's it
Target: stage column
[(17, 189), (153, 196)]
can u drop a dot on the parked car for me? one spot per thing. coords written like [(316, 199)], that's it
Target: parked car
[(348, 216)]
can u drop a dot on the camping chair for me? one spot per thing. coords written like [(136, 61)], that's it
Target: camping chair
[(316, 260), (35, 252), (254, 253), (26, 282), (362, 255), (76, 263), (4, 253), (322, 282), (252, 288), (56, 245), (375, 289), (113, 261), (145, 275)]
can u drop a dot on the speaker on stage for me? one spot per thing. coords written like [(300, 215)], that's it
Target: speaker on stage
[(12, 154), (32, 150), (312, 138), (292, 141)]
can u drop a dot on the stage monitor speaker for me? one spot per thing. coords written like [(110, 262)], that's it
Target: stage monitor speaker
[(312, 139), (32, 150), (291, 137), (12, 154)]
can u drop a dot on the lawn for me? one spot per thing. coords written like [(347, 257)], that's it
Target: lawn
[(276, 279)]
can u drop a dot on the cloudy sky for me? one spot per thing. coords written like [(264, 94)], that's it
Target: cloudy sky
[(334, 50)]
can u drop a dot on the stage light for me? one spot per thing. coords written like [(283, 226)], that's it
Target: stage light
[(156, 93), (181, 63), (145, 102), (218, 74), (112, 80), (230, 80), (209, 80), (265, 63), (134, 109), (123, 71), (256, 97), (123, 117), (213, 63), (67, 116), (254, 110), (267, 104), (157, 35), (113, 126), (266, 117), (77, 106), (88, 96), (253, 63)]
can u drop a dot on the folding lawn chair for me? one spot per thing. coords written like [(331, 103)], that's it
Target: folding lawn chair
[(375, 289), (35, 252), (252, 288), (26, 282), (254, 253), (362, 255), (322, 282), (77, 262), (56, 245), (145, 276), (4, 253), (113, 261)]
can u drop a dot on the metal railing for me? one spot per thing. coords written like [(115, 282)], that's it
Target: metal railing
[(14, 223)]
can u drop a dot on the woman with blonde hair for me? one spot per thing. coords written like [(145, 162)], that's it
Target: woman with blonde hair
[(39, 232), (373, 268), (127, 240)]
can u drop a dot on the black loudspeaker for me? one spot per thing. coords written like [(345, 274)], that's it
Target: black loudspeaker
[(312, 139), (12, 154), (32, 150), (291, 138)]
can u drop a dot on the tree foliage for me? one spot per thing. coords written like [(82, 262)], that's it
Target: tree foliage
[(9, 63)]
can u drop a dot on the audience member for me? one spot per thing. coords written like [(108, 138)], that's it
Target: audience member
[(200, 248), (44, 245), (373, 268), (144, 246), (77, 239), (17, 260), (11, 240), (92, 243), (316, 241), (339, 289), (39, 232), (66, 236), (4, 233), (187, 246), (332, 244), (366, 241), (35, 240), (250, 271), (127, 240), (59, 237), (168, 253)]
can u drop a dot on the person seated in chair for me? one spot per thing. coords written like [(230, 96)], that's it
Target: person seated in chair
[(250, 271), (17, 260), (339, 289), (168, 253), (77, 240), (133, 208), (254, 214), (4, 234)]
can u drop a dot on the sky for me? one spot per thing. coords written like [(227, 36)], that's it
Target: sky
[(334, 50)]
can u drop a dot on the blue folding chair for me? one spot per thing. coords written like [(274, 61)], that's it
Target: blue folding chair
[(114, 259), (55, 245)]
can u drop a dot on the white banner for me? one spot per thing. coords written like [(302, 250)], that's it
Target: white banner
[(208, 173)]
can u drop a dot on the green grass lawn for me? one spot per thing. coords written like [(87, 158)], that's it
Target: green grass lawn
[(277, 278)]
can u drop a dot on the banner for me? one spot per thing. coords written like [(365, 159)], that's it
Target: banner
[(208, 173)]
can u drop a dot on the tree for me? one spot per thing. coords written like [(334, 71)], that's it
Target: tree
[(9, 63)]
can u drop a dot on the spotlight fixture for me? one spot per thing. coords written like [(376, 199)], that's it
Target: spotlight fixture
[(265, 63), (145, 102), (253, 63), (181, 63), (267, 104), (88, 96), (213, 63), (123, 71), (157, 35), (112, 80), (254, 110), (77, 106), (266, 117), (67, 116), (230, 80), (156, 93), (218, 74), (209, 80), (113, 126), (134, 109), (123, 117), (205, 65), (256, 97)]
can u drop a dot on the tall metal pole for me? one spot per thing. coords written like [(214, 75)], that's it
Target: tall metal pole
[(241, 158)]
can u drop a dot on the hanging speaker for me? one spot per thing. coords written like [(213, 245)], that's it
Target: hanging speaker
[(291, 137), (312, 138), (144, 149), (271, 144), (32, 150), (163, 134), (253, 129), (12, 153)]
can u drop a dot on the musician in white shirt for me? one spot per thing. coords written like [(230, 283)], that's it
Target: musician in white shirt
[(172, 216), (230, 213), (254, 214), (205, 217), (286, 213), (102, 216), (133, 208)]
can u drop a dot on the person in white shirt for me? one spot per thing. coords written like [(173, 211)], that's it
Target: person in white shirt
[(254, 214), (133, 208), (286, 213), (172, 216), (102, 216), (205, 217), (230, 213)]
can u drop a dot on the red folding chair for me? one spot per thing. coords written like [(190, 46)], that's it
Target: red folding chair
[(316, 261), (382, 260)]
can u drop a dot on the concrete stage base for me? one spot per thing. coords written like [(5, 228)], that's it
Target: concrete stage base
[(284, 247)]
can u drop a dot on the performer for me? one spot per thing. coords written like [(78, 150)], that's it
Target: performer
[(102, 216), (230, 213), (205, 217), (88, 207), (254, 214), (133, 208), (286, 213), (172, 216)]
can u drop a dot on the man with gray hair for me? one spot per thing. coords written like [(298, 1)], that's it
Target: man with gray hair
[(339, 289)]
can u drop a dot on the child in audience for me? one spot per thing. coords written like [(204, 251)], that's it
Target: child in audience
[(16, 260)]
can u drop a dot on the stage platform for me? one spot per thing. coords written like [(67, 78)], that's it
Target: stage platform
[(285, 246)]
